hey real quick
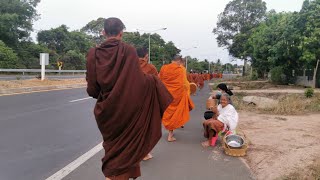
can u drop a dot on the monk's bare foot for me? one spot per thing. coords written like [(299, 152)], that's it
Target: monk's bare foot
[(149, 156), (108, 179), (170, 136), (171, 139), (205, 144)]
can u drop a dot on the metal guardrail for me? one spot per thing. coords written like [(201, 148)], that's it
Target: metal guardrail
[(39, 71)]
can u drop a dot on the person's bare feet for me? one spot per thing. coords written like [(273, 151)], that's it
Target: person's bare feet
[(205, 144), (170, 137), (149, 156)]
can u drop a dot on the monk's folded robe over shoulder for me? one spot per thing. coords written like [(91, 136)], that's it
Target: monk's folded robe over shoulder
[(129, 107), (148, 68), (174, 77)]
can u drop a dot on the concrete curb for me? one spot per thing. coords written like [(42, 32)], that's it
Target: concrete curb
[(40, 88)]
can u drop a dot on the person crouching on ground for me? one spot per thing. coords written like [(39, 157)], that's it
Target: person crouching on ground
[(226, 121)]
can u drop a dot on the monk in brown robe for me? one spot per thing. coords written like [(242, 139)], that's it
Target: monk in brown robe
[(143, 59), (129, 106), (177, 114), (146, 69)]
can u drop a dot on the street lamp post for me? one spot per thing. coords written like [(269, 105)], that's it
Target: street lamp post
[(187, 56), (162, 29)]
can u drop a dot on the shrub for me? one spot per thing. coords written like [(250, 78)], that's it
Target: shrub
[(309, 92), (277, 76), (254, 75)]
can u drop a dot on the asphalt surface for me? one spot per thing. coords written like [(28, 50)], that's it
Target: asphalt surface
[(184, 159), (23, 77), (42, 132)]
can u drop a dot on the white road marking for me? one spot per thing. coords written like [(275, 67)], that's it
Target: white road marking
[(75, 164), (80, 99)]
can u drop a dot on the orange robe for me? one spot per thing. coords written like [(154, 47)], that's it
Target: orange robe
[(200, 81), (190, 78), (208, 77), (195, 78), (174, 77), (147, 68)]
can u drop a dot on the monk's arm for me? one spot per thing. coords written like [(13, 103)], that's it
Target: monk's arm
[(93, 88)]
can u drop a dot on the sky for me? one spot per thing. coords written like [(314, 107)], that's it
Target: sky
[(189, 23)]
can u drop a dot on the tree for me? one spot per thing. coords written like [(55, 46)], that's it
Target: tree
[(94, 29), (80, 41), (65, 45), (16, 20), (235, 24), (74, 60), (310, 21), (8, 59), (29, 54), (161, 51), (57, 39)]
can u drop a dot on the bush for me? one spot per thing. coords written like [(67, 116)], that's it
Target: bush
[(277, 76), (309, 93), (254, 75)]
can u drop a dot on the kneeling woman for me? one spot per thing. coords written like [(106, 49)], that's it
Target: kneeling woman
[(225, 120)]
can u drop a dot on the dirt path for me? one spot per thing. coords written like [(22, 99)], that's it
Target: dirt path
[(280, 144), (270, 91), (37, 83)]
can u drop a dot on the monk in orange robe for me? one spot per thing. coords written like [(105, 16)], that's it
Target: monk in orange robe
[(208, 77), (143, 60), (200, 81), (177, 114), (195, 77), (190, 78)]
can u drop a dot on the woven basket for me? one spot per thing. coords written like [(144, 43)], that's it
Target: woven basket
[(211, 103), (236, 152), (193, 88)]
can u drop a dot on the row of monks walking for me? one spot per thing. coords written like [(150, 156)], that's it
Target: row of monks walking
[(134, 100)]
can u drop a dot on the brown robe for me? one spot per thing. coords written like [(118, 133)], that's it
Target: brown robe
[(212, 124), (148, 68), (129, 107)]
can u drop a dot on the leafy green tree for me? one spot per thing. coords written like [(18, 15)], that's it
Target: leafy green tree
[(8, 59), (235, 25), (56, 39), (310, 20), (29, 54), (80, 42), (74, 60), (16, 19), (64, 46), (94, 29)]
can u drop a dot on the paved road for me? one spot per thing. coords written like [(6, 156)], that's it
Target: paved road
[(184, 159), (42, 132), (15, 77)]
